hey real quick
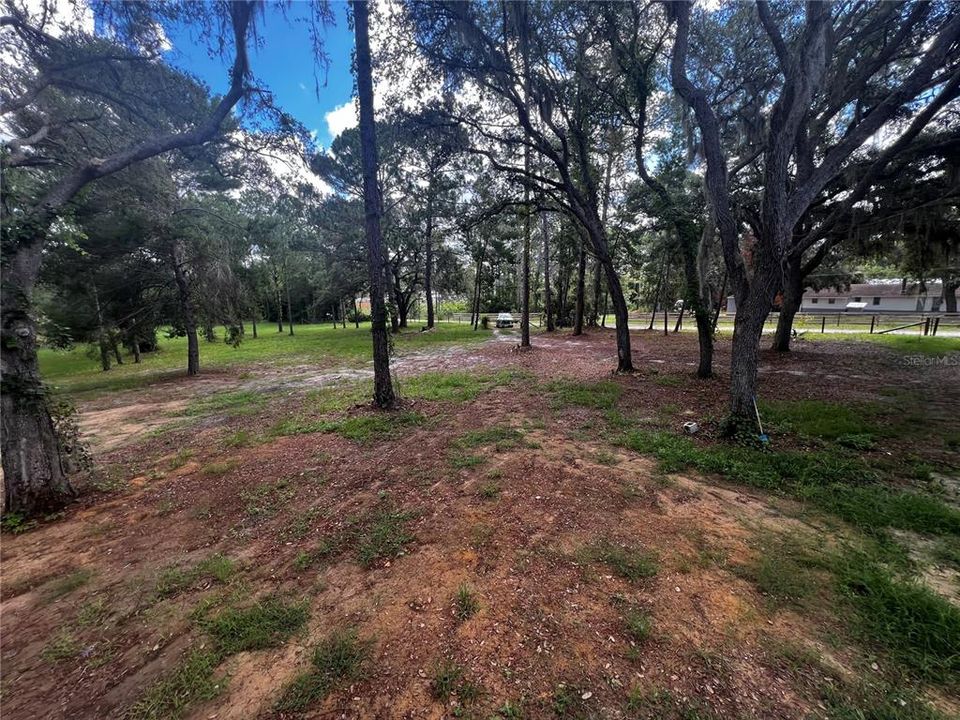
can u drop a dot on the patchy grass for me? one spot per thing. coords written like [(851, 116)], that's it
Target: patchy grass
[(931, 346), (489, 490), (502, 437), (191, 681), (917, 627), (241, 402), (79, 374), (637, 624), (465, 603), (218, 468), (336, 398), (465, 460), (629, 562), (832, 480), (383, 536), (66, 584), (63, 646), (337, 658), (823, 419), (264, 625), (360, 428), (449, 680), (181, 458), (174, 580), (603, 395), (239, 439), (267, 499)]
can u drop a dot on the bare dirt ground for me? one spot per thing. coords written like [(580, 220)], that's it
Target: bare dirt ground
[(548, 634)]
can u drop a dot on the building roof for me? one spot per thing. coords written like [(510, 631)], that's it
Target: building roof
[(878, 289)]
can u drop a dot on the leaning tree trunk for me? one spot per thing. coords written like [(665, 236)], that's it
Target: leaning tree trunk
[(186, 308), (34, 477), (792, 299), (624, 358), (581, 290), (383, 387)]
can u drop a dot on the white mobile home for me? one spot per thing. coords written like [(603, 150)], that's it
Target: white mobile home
[(893, 296)]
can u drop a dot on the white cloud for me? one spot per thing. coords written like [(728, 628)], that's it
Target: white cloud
[(343, 117)]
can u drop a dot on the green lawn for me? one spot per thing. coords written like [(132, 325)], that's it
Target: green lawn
[(78, 371)]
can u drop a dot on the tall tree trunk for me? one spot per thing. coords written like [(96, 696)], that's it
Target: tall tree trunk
[(34, 476), (950, 287), (690, 247), (286, 287), (136, 351), (101, 331), (276, 282), (525, 279), (744, 360), (356, 314), (186, 308), (253, 319), (624, 358), (581, 290), (116, 352), (790, 305), (428, 274), (547, 294), (383, 387)]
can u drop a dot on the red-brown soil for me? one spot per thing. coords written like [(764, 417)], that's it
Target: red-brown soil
[(546, 617)]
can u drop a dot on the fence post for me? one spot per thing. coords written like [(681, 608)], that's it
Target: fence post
[(936, 325), (926, 327), (873, 319), (823, 324)]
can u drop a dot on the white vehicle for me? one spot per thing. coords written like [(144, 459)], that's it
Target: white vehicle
[(504, 320)]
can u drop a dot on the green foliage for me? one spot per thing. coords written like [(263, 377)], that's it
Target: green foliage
[(445, 678), (464, 460), (267, 499), (465, 603), (631, 563), (489, 491), (920, 629), (242, 402), (502, 437), (78, 374), (832, 480), (67, 584), (191, 681), (264, 625), (337, 658), (383, 536), (638, 624), (174, 580), (603, 395), (15, 523), (820, 418), (219, 467), (63, 646)]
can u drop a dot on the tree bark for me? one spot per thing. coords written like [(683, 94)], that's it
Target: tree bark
[(286, 287), (950, 295), (581, 291), (383, 387), (428, 274), (136, 351), (101, 331), (35, 480), (547, 295), (792, 299), (186, 308)]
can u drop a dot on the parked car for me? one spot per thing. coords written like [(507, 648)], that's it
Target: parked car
[(504, 320)]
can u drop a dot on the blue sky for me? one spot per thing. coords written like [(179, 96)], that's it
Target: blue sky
[(284, 63)]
